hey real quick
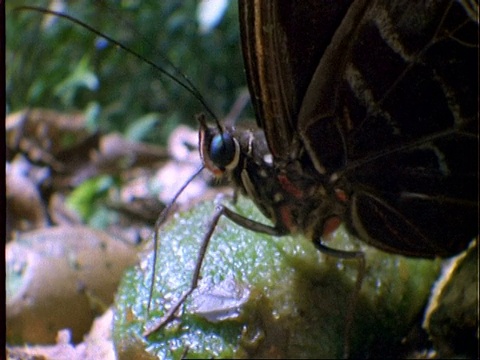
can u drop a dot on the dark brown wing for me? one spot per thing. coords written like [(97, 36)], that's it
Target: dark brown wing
[(392, 109), (282, 42)]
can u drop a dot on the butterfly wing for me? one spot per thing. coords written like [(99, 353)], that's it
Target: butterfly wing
[(392, 111), (282, 46), (382, 95)]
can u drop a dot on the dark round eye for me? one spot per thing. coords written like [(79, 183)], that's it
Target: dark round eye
[(223, 150)]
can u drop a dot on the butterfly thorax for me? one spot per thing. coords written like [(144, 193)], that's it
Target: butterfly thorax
[(295, 197)]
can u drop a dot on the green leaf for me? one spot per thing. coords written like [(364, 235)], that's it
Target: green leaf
[(83, 199), (81, 77), (142, 127), (48, 62)]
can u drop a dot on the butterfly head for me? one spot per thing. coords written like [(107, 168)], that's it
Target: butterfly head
[(219, 149)]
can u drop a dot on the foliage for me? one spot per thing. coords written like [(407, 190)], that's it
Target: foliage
[(53, 63)]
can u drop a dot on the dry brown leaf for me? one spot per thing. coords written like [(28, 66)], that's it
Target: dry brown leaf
[(25, 209), (97, 345), (61, 278)]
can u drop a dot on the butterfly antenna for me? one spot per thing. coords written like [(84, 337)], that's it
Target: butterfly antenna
[(186, 83), (161, 219)]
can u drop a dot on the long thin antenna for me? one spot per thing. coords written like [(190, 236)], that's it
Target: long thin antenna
[(186, 84), (161, 219)]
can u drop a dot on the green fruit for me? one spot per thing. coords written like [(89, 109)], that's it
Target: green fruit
[(261, 296)]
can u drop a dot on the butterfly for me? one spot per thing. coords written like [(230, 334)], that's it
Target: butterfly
[(376, 152), (369, 120)]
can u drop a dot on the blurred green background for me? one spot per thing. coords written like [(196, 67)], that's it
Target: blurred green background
[(53, 63)]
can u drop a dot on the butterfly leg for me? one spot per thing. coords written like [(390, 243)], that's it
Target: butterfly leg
[(340, 254), (347, 255), (238, 219)]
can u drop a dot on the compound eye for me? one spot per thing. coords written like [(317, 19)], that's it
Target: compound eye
[(224, 151)]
